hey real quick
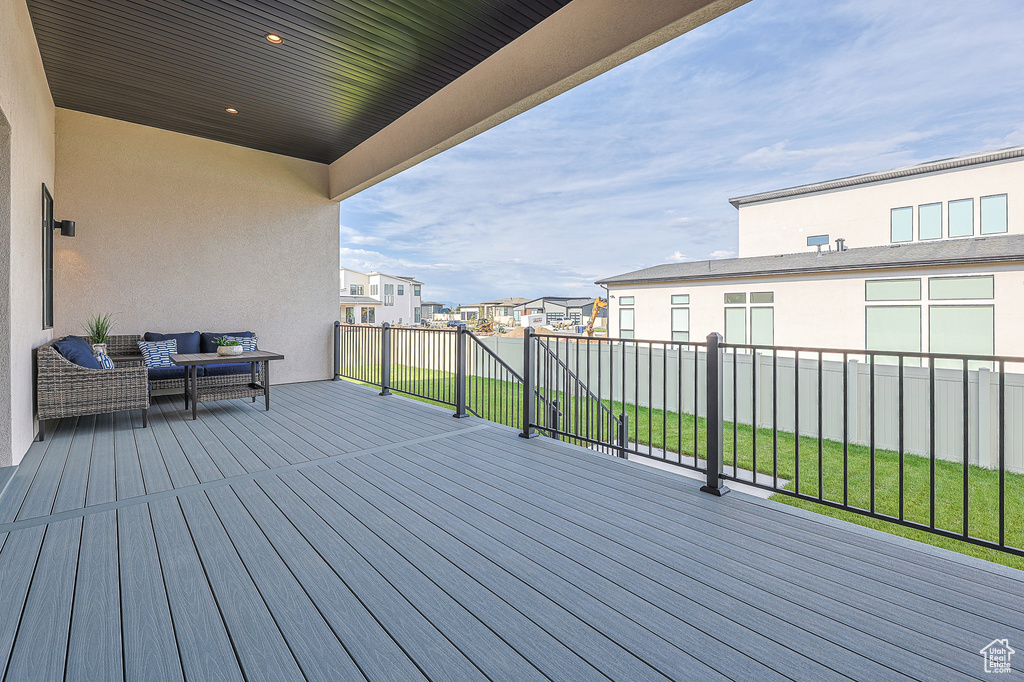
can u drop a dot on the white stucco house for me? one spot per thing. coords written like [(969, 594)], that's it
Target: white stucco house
[(375, 298), (925, 258)]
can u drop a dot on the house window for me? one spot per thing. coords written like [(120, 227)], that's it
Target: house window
[(401, 290), (736, 298), (892, 290), (895, 328), (993, 214), (762, 326), (355, 289), (47, 259), (680, 324), (625, 300), (517, 314), (374, 290), (627, 323), (762, 297), (416, 315), (961, 288), (961, 330), (350, 315), (680, 299), (415, 289), (901, 224), (961, 218), (735, 325), (929, 221), (369, 315)]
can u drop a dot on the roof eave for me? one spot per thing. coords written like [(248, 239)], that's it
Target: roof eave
[(932, 262)]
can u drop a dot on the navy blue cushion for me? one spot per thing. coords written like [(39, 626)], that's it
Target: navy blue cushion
[(207, 343), (226, 369), (157, 373), (188, 343), (77, 350)]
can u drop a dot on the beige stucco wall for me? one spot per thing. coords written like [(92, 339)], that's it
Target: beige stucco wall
[(177, 233), (861, 214), (26, 105), (824, 311)]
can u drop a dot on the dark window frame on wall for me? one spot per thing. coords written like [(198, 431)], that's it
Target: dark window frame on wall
[(47, 258)]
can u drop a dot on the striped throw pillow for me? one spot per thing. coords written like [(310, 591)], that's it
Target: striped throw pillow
[(248, 342), (158, 353), (104, 360)]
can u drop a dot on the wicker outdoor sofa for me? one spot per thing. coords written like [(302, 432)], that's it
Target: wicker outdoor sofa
[(124, 348), (64, 389)]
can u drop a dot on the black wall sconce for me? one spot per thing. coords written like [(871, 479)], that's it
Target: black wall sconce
[(66, 227)]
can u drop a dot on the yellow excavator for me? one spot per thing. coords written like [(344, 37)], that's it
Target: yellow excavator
[(485, 327), (599, 303)]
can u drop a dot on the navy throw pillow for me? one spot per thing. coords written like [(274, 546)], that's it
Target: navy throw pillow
[(207, 343), (77, 350), (188, 343)]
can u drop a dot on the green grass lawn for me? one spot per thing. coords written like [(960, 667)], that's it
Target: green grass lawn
[(499, 401)]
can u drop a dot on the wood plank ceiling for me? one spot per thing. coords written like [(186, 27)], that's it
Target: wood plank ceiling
[(345, 69)]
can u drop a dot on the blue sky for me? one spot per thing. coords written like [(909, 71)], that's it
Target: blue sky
[(636, 166)]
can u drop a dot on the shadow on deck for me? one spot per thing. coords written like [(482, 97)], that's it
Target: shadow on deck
[(344, 536)]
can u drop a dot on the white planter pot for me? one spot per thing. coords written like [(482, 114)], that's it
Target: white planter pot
[(229, 350), (97, 347)]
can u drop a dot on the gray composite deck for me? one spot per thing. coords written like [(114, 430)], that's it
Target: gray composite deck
[(345, 536)]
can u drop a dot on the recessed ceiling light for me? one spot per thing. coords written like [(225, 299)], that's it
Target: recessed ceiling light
[(274, 38), (231, 110)]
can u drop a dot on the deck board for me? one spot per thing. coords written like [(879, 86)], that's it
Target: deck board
[(344, 535), (94, 649), (150, 650), (313, 642), (41, 643)]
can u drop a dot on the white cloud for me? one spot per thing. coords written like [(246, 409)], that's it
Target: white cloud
[(640, 162), (720, 254), (678, 257)]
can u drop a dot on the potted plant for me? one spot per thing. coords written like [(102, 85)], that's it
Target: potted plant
[(97, 329), (226, 346)]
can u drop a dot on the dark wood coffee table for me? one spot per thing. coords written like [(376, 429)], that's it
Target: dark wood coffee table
[(253, 389)]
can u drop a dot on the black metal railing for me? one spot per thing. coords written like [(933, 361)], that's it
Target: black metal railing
[(915, 439), (933, 442), (448, 366), (620, 395)]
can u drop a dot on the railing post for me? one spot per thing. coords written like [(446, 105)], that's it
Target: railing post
[(623, 436), (337, 350), (554, 412), (715, 421), (529, 403), (385, 359), (460, 372)]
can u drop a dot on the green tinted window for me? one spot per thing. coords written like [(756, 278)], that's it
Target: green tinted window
[(895, 328), (762, 326), (892, 290), (625, 300), (961, 288), (735, 325), (626, 319), (735, 298), (993, 214), (680, 320), (961, 218), (762, 297), (929, 221), (961, 330), (680, 299), (901, 224)]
